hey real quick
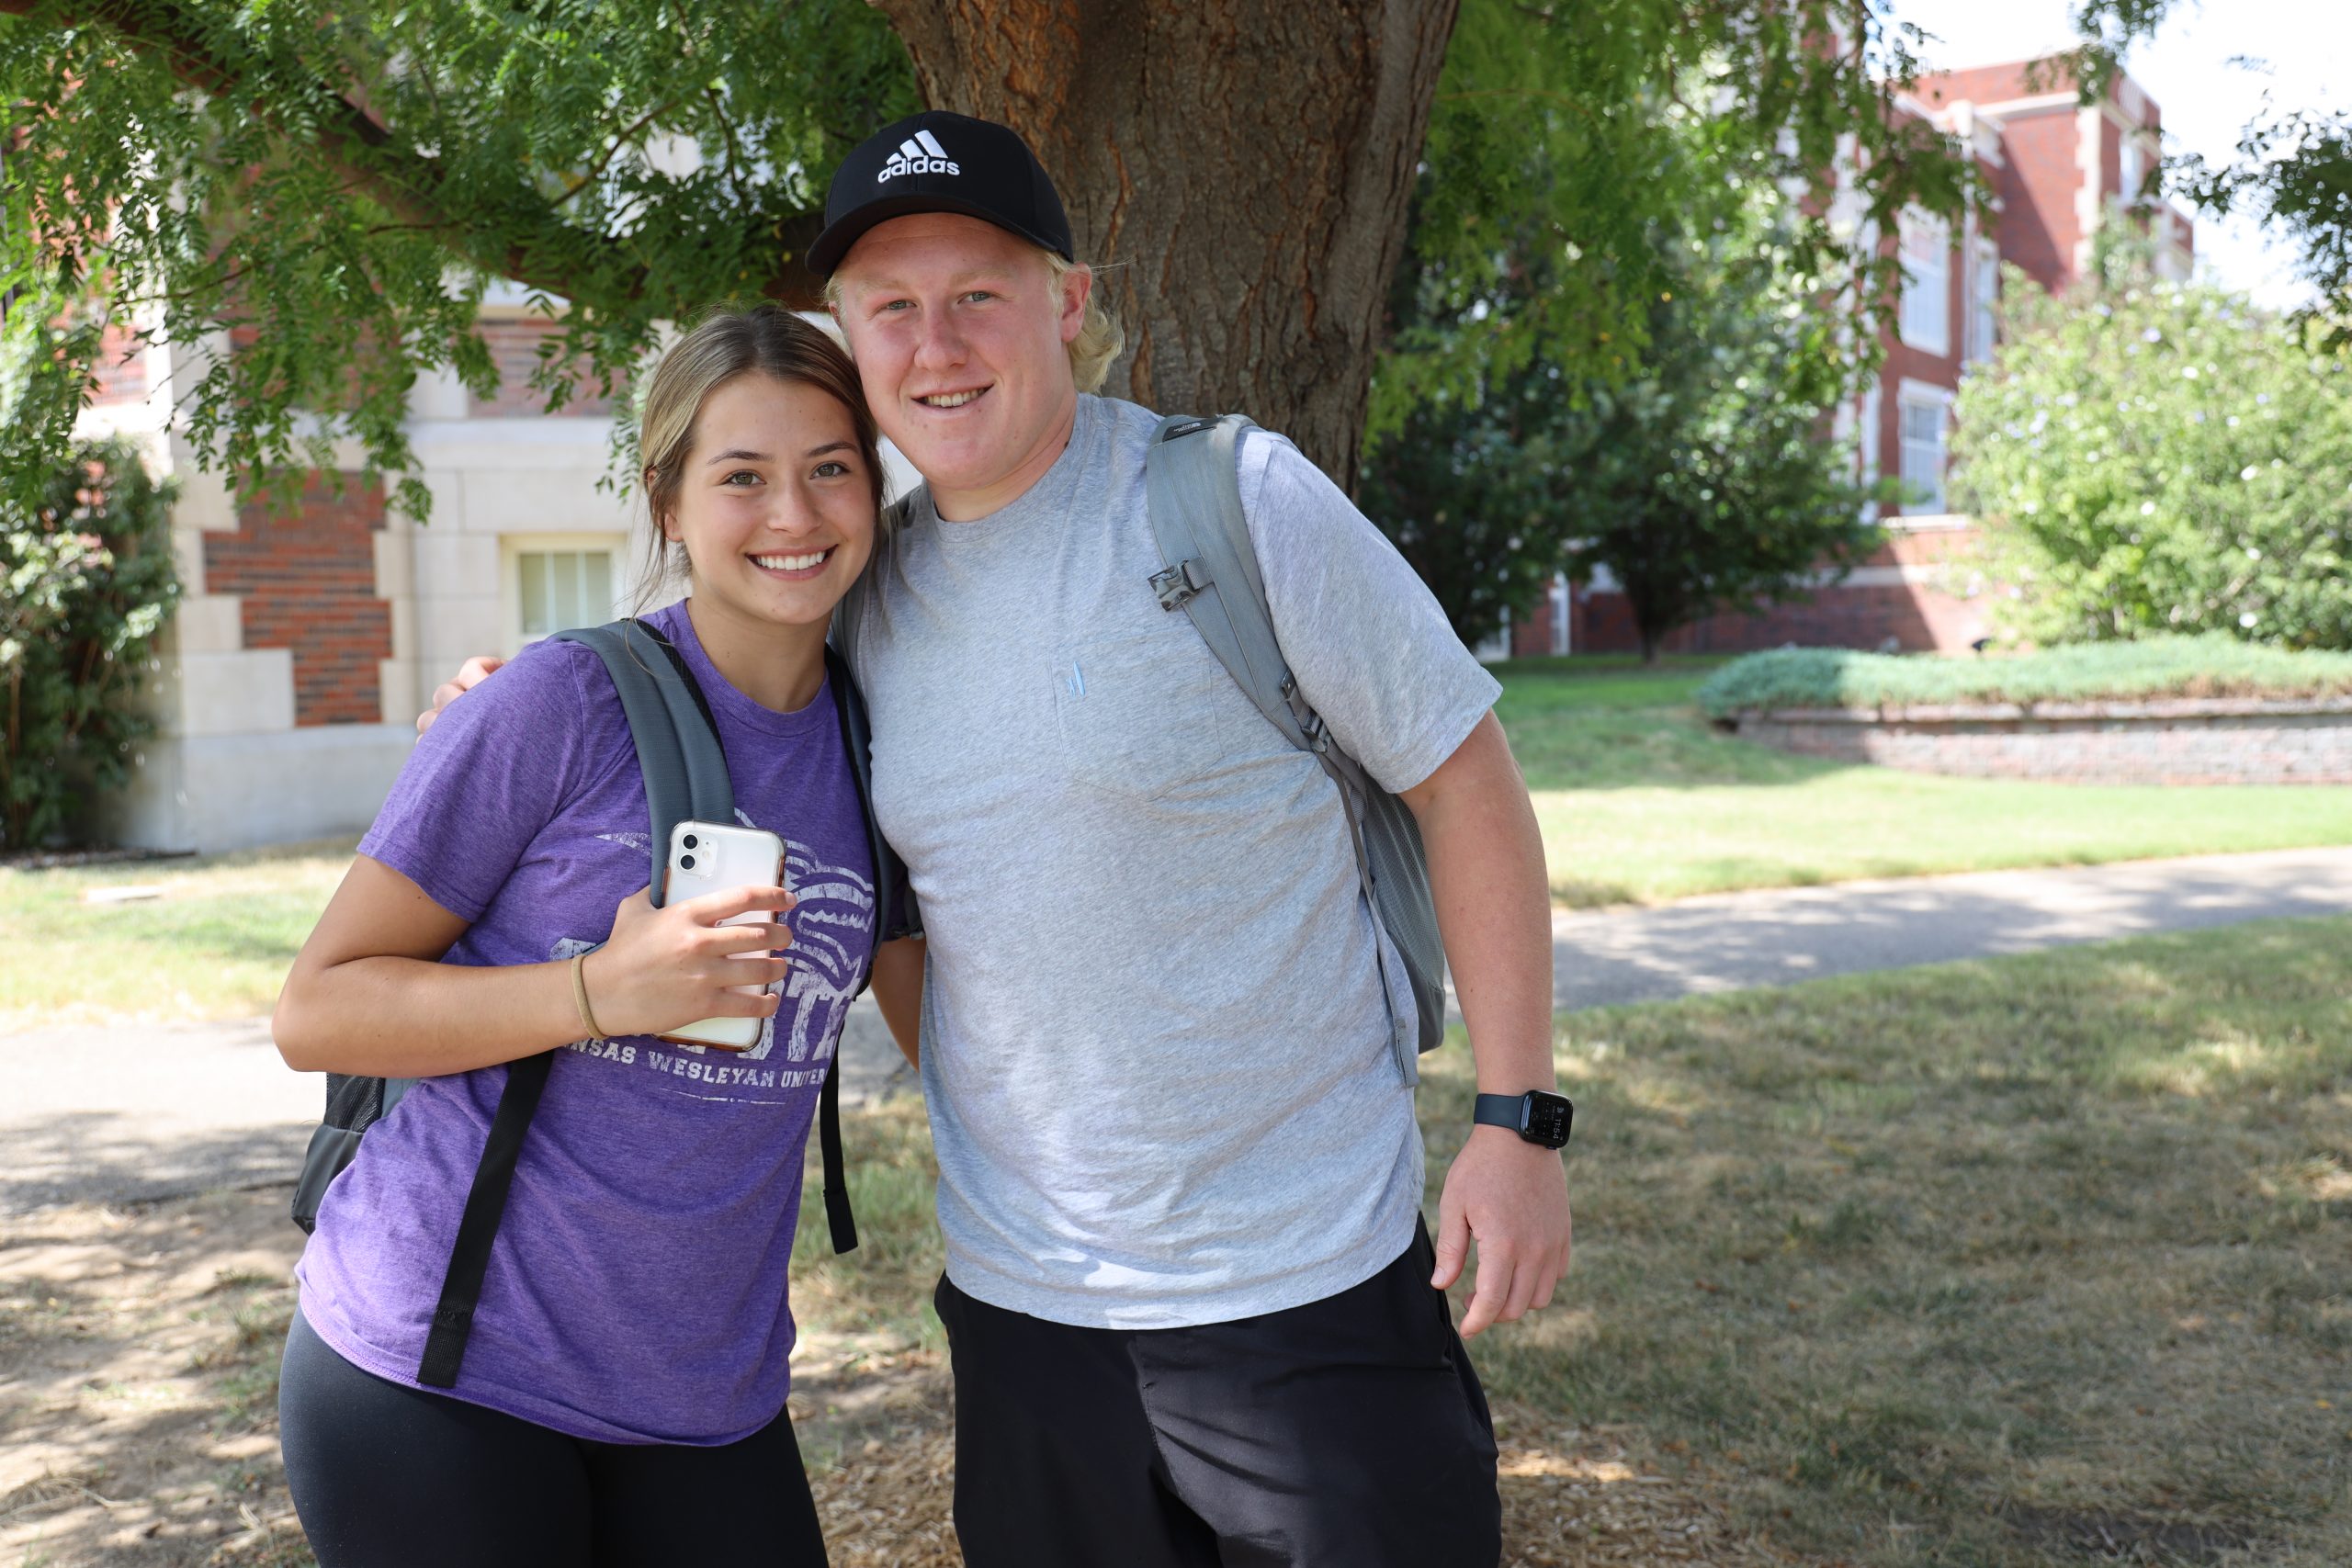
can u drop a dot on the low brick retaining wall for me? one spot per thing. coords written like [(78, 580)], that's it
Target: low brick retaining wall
[(2166, 740)]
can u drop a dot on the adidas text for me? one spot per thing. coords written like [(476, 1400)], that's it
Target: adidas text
[(898, 165), (918, 154)]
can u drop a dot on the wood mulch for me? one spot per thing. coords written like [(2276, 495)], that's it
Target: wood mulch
[(137, 1418), (1572, 1496)]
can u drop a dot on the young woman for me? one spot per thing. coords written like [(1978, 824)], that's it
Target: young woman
[(621, 1397)]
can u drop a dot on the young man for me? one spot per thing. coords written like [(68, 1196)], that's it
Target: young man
[(1194, 1316)]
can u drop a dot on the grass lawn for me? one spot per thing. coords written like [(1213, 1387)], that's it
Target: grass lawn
[(1641, 799), (2035, 1261), (217, 943)]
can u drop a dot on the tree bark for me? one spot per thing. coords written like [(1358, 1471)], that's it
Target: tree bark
[(1236, 170)]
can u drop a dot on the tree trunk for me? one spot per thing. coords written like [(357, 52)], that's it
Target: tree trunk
[(1236, 170)]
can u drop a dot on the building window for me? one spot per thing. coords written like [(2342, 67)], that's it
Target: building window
[(2133, 172), (1927, 283), (556, 589), (1984, 302), (1924, 416)]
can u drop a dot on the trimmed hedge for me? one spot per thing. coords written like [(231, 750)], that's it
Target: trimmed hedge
[(2215, 665)]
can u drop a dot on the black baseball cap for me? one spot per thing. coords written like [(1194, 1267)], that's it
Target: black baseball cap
[(937, 161)]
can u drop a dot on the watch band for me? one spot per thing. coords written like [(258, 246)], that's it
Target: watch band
[(1501, 1111)]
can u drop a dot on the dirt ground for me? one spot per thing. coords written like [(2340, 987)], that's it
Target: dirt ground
[(138, 1421)]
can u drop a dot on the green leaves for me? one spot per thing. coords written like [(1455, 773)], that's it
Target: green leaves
[(1562, 139), (332, 191), (86, 582), (2164, 457), (2213, 665), (1695, 468)]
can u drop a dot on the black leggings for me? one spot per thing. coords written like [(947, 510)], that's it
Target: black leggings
[(384, 1474)]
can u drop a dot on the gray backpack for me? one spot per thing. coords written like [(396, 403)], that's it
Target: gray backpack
[(1193, 491)]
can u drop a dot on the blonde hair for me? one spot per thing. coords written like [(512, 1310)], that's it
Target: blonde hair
[(1099, 337), (766, 339)]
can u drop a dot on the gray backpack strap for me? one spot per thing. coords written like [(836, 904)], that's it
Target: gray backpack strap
[(1192, 491), (686, 780), (677, 741)]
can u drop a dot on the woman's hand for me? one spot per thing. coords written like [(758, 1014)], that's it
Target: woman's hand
[(663, 968)]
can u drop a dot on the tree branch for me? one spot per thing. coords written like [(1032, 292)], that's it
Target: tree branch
[(403, 182)]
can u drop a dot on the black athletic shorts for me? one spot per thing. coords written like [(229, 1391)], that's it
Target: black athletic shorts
[(1347, 1433), (388, 1477)]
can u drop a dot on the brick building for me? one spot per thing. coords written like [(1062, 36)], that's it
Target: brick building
[(309, 639), (2056, 169)]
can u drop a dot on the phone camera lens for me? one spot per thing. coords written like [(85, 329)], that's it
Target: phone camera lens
[(686, 863), (692, 842)]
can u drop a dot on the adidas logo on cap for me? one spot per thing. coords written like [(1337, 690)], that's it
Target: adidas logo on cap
[(918, 155)]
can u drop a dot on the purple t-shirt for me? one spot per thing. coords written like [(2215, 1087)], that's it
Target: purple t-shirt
[(637, 1289)]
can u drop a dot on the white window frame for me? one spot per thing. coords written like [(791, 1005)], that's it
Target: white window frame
[(1923, 250), (2128, 178), (512, 548), (1984, 302), (1924, 395)]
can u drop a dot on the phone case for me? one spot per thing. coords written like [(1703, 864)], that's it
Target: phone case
[(713, 857)]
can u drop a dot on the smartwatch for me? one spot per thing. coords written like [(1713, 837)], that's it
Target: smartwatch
[(1539, 1116)]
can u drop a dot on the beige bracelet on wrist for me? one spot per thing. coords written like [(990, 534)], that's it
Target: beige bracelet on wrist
[(580, 994)]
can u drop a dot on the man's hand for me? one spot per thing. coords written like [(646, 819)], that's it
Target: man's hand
[(1513, 1197), (471, 673)]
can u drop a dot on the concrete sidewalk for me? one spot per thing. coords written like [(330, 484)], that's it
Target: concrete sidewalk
[(1729, 940), (131, 1111)]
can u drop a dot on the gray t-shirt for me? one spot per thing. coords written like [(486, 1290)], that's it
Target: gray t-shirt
[(1160, 1072)]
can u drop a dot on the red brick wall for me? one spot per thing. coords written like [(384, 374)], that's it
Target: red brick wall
[(308, 579), (514, 346), (1991, 84), (1530, 635), (1918, 616), (2162, 742), (121, 368), (2038, 179)]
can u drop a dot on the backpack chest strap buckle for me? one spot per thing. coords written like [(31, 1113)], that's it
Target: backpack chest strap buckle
[(1179, 584)]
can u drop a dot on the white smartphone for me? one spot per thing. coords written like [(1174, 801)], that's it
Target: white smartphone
[(717, 857)]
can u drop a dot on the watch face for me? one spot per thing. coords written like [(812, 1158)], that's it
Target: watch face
[(1548, 1118)]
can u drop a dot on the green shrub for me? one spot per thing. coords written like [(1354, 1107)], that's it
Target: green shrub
[(2155, 457), (2214, 665), (87, 580)]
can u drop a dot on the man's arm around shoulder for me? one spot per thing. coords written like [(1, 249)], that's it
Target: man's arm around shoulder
[(471, 673)]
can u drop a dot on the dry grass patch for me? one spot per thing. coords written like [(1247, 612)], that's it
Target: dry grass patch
[(138, 1385), (2041, 1261), (2033, 1262)]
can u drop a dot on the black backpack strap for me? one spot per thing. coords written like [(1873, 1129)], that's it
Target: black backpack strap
[(890, 910), (453, 1315), (840, 1224)]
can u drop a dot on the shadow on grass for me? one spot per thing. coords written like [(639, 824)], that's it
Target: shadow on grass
[(139, 1350), (1965, 1264)]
